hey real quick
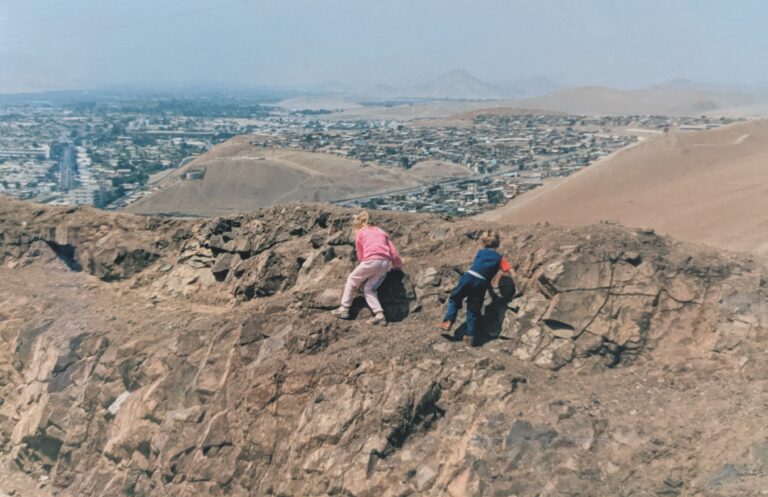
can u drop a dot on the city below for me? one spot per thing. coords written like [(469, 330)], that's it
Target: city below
[(109, 154)]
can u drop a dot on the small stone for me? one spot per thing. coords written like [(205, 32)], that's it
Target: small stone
[(117, 403), (425, 477), (562, 409)]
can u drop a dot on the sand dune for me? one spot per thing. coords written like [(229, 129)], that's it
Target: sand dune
[(708, 187)]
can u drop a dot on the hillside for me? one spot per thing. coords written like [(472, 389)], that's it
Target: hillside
[(163, 357), (708, 187), (664, 100), (240, 177), (455, 85)]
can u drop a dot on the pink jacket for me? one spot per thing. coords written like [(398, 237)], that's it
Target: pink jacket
[(374, 243)]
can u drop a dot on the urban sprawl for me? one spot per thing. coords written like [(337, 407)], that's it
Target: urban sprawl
[(109, 155)]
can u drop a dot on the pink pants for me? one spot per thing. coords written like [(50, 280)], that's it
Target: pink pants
[(372, 272)]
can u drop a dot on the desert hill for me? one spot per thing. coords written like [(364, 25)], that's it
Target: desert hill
[(240, 177), (708, 187), (670, 100), (664, 100), (165, 357), (455, 85)]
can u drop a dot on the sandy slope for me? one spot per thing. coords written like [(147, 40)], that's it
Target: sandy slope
[(240, 177), (709, 187)]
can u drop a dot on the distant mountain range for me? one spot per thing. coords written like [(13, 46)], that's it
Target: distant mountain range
[(455, 91), (456, 84), (452, 85)]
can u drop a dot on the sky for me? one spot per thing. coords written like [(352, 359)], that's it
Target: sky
[(67, 44)]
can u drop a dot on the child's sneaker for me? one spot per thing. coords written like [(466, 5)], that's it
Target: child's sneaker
[(341, 313), (378, 319), (445, 326), (470, 341)]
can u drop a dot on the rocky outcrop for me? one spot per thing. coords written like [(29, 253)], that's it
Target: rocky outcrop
[(110, 247), (212, 367)]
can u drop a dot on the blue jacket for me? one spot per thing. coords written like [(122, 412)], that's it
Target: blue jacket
[(487, 263)]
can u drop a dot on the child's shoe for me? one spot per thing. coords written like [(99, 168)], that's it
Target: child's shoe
[(378, 320), (445, 326), (470, 341), (341, 313)]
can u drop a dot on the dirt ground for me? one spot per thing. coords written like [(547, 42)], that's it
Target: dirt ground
[(706, 187)]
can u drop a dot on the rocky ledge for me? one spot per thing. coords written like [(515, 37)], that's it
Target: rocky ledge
[(157, 356)]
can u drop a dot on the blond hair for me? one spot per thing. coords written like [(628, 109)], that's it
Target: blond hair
[(361, 220), (490, 239)]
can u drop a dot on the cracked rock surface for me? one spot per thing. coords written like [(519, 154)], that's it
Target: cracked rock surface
[(157, 356)]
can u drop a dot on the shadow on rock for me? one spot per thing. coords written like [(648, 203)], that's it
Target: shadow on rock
[(395, 294), (491, 323)]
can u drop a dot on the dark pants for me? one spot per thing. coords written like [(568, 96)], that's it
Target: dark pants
[(473, 289)]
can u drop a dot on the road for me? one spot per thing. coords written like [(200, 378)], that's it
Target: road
[(67, 169)]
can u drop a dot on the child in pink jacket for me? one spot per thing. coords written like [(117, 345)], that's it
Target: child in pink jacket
[(375, 254)]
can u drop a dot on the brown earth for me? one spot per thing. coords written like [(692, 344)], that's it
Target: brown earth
[(162, 357), (707, 187), (433, 170), (240, 177)]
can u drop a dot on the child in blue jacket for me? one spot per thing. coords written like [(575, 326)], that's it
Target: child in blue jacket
[(487, 269)]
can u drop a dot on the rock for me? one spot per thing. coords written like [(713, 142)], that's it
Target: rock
[(632, 257), (428, 277), (317, 241), (252, 330), (588, 344), (327, 299), (266, 275), (245, 387), (728, 473), (570, 313), (200, 262), (343, 252), (115, 406), (426, 477), (222, 265), (118, 263), (555, 355), (562, 409), (530, 344)]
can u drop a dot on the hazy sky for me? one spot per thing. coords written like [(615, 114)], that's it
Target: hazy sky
[(87, 43)]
